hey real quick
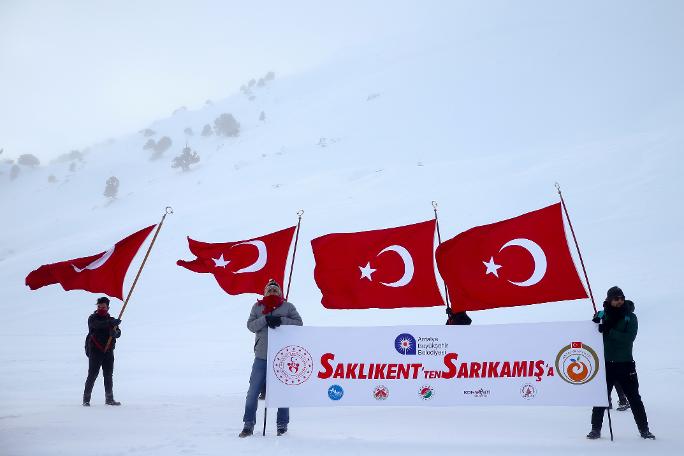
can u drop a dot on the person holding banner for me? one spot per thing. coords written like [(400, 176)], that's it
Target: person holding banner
[(269, 312), (619, 325), (101, 326)]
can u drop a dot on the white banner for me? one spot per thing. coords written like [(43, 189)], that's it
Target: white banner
[(520, 364)]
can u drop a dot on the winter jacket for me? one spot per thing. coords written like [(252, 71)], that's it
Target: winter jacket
[(619, 332), (101, 328), (257, 324)]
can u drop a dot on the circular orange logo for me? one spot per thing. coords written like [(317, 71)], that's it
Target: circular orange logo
[(577, 363)]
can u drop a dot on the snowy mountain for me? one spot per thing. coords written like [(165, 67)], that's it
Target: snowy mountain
[(484, 126)]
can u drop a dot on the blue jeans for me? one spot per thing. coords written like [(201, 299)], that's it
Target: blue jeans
[(257, 382)]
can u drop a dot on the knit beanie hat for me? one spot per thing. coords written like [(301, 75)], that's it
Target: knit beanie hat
[(613, 293)]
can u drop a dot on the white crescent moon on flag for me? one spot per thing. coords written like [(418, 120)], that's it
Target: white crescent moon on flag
[(408, 265), (260, 261), (97, 263), (538, 256)]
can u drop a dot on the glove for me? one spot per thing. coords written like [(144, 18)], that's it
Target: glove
[(273, 322), (449, 311), (596, 319), (115, 321)]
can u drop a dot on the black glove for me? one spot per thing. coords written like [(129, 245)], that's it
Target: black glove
[(115, 321), (273, 322), (449, 312), (596, 319), (603, 329)]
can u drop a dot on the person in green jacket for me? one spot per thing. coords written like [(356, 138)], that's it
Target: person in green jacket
[(619, 325)]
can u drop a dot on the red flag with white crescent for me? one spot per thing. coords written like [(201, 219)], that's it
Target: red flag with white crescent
[(383, 269), (243, 266), (515, 262), (100, 273)]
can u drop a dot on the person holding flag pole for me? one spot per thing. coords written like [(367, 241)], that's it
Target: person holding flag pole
[(101, 273)]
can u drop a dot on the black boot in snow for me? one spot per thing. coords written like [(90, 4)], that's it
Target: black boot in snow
[(246, 432), (622, 406), (111, 401), (594, 434), (646, 434), (86, 403), (281, 431)]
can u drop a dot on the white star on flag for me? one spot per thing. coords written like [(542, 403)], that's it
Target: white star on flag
[(220, 262), (367, 271), (492, 268)]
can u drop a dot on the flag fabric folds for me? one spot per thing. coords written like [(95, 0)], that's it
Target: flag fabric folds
[(519, 261), (101, 273), (242, 266), (387, 268)]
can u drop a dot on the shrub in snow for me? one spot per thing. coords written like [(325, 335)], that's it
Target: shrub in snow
[(188, 131), (251, 83), (207, 131), (14, 172), (72, 167), (147, 132), (150, 144), (270, 76), (111, 187), (226, 125), (162, 146), (262, 116), (52, 179), (261, 82), (28, 160), (185, 159)]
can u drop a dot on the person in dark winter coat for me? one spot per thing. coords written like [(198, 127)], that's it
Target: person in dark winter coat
[(101, 326), (457, 318), (270, 312), (619, 325)]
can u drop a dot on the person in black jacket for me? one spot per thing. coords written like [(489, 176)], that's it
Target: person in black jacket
[(101, 326)]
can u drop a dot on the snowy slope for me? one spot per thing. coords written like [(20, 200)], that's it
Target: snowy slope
[(486, 135)]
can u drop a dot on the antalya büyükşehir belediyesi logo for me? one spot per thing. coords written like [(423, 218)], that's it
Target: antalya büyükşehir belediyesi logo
[(405, 344), (577, 363)]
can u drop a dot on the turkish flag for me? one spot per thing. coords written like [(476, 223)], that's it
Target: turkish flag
[(383, 269), (520, 261), (243, 266), (101, 273)]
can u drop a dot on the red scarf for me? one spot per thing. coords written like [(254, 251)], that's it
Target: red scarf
[(271, 303)]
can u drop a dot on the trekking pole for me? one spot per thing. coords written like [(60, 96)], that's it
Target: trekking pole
[(567, 216), (264, 432), (167, 211), (610, 422)]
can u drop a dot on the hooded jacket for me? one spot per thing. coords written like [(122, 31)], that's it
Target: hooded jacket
[(619, 331)]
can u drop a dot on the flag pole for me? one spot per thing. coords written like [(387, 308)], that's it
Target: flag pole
[(294, 253), (579, 252), (167, 211), (439, 240)]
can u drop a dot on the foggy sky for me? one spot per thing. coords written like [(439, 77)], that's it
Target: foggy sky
[(73, 73)]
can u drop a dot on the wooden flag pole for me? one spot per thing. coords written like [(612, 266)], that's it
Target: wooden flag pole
[(586, 277), (167, 211), (439, 240), (294, 253), (579, 252)]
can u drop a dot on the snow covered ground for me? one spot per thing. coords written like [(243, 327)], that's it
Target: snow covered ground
[(484, 124)]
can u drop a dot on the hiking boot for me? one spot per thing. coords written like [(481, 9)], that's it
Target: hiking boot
[(622, 406), (594, 434), (646, 434), (262, 395), (281, 431), (86, 403), (111, 401), (246, 432)]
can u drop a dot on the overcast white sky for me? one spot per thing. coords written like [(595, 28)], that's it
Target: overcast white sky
[(77, 72)]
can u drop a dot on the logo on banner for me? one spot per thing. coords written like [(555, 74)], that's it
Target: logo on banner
[(577, 363), (477, 393), (426, 392), (335, 392), (528, 391), (405, 344), (293, 365), (380, 393)]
